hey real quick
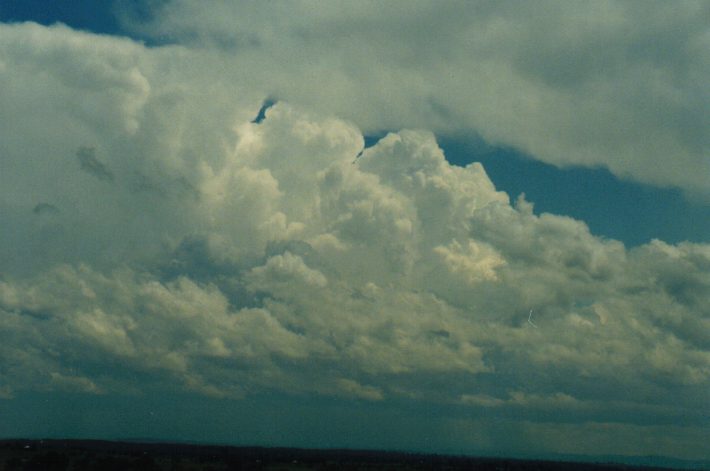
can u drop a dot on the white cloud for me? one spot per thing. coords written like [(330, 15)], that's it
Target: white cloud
[(146, 115), (230, 257), (284, 270), (601, 83)]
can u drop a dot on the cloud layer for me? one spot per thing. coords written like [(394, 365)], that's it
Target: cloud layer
[(618, 85), (156, 238)]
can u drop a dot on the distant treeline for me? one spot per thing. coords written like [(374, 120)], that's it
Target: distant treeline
[(96, 455)]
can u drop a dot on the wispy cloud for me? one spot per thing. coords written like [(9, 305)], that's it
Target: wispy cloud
[(90, 164)]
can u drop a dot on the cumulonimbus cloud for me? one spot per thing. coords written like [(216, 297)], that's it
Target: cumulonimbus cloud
[(283, 255), (619, 85)]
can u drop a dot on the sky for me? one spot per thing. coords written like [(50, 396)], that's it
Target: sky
[(468, 227)]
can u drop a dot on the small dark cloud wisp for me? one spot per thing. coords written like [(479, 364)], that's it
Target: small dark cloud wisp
[(90, 164), (45, 208)]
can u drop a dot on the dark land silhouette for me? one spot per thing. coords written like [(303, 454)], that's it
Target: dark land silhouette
[(97, 455)]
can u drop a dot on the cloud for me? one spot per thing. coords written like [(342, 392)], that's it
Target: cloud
[(73, 383), (62, 89), (90, 164), (281, 255), (591, 84), (517, 398), (357, 390), (45, 208)]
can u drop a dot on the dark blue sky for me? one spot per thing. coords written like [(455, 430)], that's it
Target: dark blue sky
[(631, 212), (92, 15)]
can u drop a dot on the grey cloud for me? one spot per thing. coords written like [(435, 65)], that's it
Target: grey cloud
[(90, 164), (143, 183)]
